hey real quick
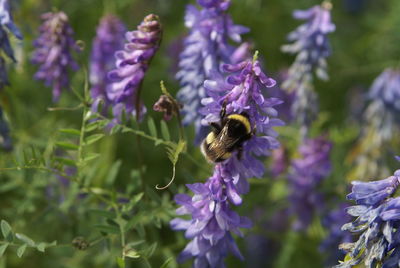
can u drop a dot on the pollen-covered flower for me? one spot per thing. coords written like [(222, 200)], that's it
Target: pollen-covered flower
[(205, 49), (377, 223), (6, 21), (131, 66), (109, 39), (213, 220), (53, 52), (306, 174), (311, 46)]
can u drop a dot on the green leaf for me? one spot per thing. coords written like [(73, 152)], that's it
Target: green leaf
[(102, 213), (41, 246), (174, 152), (25, 239), (152, 127), (6, 231), (91, 156), (167, 262), (3, 249), (92, 126), (120, 262), (66, 161), (112, 174), (115, 129), (131, 253), (67, 146), (70, 131), (21, 250), (93, 138), (107, 228), (165, 131), (150, 250)]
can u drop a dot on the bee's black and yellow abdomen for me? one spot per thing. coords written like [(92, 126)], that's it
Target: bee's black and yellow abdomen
[(219, 145)]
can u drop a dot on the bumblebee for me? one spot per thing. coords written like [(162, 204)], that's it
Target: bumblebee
[(226, 137)]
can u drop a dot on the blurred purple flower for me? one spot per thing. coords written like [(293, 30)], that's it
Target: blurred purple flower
[(311, 45), (53, 52), (213, 221), (6, 21), (5, 137), (306, 174), (109, 39), (131, 66), (333, 222), (279, 162), (377, 224), (205, 48)]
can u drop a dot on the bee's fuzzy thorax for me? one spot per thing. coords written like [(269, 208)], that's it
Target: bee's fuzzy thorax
[(242, 119)]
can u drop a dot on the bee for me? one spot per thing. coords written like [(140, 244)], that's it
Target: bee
[(226, 137)]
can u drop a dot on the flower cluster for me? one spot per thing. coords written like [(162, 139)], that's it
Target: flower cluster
[(377, 224), (53, 52), (311, 45), (381, 121), (205, 49), (6, 21), (306, 174), (131, 66), (213, 221), (109, 39), (333, 222)]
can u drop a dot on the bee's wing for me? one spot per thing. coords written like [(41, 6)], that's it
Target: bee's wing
[(223, 143)]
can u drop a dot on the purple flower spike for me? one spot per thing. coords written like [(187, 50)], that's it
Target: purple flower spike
[(6, 21), (109, 39), (213, 221), (307, 172), (132, 64), (377, 224), (311, 45), (205, 49), (53, 52)]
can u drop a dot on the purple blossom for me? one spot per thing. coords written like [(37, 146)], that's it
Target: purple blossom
[(311, 45), (6, 21), (377, 223), (280, 159), (131, 66), (333, 222), (205, 49), (306, 174), (53, 52), (213, 221), (109, 39)]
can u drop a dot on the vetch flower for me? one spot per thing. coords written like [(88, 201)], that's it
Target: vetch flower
[(333, 222), (131, 66), (377, 223), (306, 174), (53, 52), (109, 39), (311, 45), (205, 49), (213, 221), (6, 21), (381, 122)]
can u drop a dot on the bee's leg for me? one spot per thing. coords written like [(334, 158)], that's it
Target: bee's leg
[(222, 114)]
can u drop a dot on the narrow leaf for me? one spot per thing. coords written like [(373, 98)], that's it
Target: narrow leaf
[(150, 250), (66, 161), (3, 249), (41, 247), (152, 127), (165, 131), (167, 262), (92, 126), (21, 250), (67, 146), (93, 138), (112, 174), (107, 229), (131, 253), (70, 131), (25, 239), (6, 231), (91, 156), (120, 262)]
